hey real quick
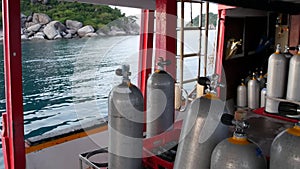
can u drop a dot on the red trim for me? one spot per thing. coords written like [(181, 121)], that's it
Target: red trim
[(146, 50), (15, 154), (220, 42), (166, 35), (261, 111)]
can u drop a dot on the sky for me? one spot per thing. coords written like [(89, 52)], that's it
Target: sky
[(195, 12)]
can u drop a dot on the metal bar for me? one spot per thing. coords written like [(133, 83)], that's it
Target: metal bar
[(206, 38), (146, 50), (166, 35), (189, 80), (13, 85), (190, 28), (220, 42), (190, 55), (200, 39), (181, 44)]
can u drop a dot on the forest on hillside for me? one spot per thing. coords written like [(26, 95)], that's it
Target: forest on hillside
[(95, 15)]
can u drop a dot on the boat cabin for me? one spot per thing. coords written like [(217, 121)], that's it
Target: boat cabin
[(247, 34)]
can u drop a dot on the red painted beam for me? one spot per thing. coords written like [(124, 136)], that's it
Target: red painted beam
[(294, 31), (166, 35), (146, 50), (13, 86), (220, 43)]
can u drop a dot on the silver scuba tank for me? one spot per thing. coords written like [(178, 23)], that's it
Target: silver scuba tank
[(160, 101), (241, 98), (237, 152), (201, 132), (253, 93), (276, 86), (285, 152), (293, 89), (125, 124), (263, 94)]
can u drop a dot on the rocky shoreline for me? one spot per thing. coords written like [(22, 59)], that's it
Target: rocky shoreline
[(40, 26)]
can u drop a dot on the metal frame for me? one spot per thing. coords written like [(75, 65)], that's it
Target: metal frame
[(166, 22), (13, 124), (146, 50)]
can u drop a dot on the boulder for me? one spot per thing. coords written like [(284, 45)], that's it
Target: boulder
[(71, 24), (85, 30), (23, 20), (59, 26), (28, 24), (34, 28), (38, 36), (68, 36), (29, 18), (41, 18), (58, 36), (50, 31), (24, 37), (91, 35), (71, 31)]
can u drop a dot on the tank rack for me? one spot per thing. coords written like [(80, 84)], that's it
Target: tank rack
[(87, 163), (158, 152)]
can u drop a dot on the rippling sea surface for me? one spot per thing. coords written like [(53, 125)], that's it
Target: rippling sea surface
[(67, 82)]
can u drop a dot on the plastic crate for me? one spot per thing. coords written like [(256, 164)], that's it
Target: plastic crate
[(153, 161)]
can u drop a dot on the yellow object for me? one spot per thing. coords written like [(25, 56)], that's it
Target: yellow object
[(211, 96), (237, 140), (294, 131)]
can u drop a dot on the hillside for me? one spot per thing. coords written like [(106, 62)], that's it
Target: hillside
[(88, 14), (212, 19)]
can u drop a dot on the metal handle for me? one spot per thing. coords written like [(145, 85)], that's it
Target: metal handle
[(183, 108), (291, 110)]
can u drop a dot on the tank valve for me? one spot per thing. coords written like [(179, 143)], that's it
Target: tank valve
[(161, 63), (238, 120), (211, 83), (124, 72)]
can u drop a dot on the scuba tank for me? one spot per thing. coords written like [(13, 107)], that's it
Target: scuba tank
[(277, 67), (263, 94), (201, 130), (241, 98), (253, 93), (160, 101), (293, 90), (285, 152), (125, 124), (261, 80), (237, 152), (286, 52)]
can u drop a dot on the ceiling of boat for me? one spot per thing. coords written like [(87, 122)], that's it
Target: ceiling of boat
[(285, 6)]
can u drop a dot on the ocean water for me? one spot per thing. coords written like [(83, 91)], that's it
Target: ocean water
[(67, 82)]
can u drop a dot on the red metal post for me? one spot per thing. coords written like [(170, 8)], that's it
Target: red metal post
[(166, 35), (15, 152), (146, 50), (220, 42)]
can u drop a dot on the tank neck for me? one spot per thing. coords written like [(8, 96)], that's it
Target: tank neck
[(278, 49), (239, 138)]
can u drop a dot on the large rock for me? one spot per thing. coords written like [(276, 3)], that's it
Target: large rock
[(38, 36), (50, 30), (41, 18), (34, 28), (23, 20), (28, 24), (75, 25), (71, 31), (91, 35), (85, 30), (59, 26)]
